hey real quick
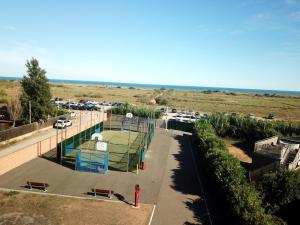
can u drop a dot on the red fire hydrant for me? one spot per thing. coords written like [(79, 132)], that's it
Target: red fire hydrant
[(137, 195)]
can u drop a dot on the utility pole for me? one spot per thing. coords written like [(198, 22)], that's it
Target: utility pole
[(29, 112)]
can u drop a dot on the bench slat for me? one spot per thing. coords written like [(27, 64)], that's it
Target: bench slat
[(33, 184), (96, 191)]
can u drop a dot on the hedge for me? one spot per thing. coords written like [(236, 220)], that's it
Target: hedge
[(228, 177), (136, 111)]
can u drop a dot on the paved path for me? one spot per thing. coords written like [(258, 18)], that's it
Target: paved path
[(86, 116), (180, 200), (66, 181), (170, 180)]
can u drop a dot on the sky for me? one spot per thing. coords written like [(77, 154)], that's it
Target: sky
[(239, 44)]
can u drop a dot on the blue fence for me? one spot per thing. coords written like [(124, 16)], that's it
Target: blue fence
[(92, 161)]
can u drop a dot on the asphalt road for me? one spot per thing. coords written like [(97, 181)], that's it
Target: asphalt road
[(170, 181)]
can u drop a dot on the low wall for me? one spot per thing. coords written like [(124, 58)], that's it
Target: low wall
[(268, 141), (21, 156), (17, 131), (24, 129)]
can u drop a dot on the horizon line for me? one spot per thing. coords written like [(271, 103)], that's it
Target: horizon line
[(160, 85)]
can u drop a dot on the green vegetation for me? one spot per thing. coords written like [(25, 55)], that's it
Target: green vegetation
[(136, 111), (88, 95), (279, 189), (3, 97), (35, 90), (239, 197), (161, 100), (251, 129), (283, 106)]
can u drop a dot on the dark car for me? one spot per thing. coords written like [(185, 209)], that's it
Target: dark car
[(90, 107), (270, 116), (174, 110)]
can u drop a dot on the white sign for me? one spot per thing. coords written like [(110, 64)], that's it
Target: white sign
[(101, 146)]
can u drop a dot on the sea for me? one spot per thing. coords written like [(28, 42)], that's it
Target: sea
[(175, 87)]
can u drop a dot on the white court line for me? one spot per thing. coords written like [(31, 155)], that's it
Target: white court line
[(199, 181), (152, 214)]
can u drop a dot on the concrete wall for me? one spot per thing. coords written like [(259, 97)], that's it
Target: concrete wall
[(21, 156), (268, 141)]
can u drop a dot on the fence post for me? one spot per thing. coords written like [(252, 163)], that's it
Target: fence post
[(61, 149), (129, 145)]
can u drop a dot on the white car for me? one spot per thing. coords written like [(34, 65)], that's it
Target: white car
[(62, 124), (129, 115), (179, 118)]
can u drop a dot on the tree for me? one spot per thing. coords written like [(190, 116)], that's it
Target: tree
[(280, 189), (14, 108), (36, 90)]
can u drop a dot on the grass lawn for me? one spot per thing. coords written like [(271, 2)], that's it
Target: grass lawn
[(18, 208)]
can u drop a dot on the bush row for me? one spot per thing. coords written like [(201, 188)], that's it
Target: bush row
[(251, 129), (136, 111), (235, 193)]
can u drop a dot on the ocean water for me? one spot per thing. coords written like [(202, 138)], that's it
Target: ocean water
[(175, 87)]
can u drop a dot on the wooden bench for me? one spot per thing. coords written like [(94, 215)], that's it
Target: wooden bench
[(107, 193), (38, 185)]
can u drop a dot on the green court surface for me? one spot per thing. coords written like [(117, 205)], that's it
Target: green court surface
[(119, 149)]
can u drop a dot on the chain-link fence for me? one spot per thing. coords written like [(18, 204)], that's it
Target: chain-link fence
[(128, 140)]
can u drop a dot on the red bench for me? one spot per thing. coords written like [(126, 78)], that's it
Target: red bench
[(38, 185), (108, 193)]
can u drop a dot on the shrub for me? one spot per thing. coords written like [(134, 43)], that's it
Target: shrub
[(251, 129), (280, 189), (161, 100), (136, 111), (229, 180)]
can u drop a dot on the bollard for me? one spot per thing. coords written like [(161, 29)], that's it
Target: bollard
[(136, 195)]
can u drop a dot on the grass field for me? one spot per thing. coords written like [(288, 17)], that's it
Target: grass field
[(283, 106), (26, 208)]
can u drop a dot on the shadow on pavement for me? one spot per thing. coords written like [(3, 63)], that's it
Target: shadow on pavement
[(185, 181), (68, 162)]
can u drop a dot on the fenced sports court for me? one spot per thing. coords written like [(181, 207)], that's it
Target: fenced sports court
[(80, 153), (125, 142), (128, 140)]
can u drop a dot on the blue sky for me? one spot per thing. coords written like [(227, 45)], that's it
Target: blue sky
[(242, 44)]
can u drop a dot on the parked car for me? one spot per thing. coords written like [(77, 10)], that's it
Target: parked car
[(179, 117), (174, 110), (62, 123), (129, 115), (271, 116), (193, 119), (250, 115)]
